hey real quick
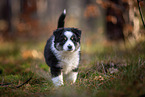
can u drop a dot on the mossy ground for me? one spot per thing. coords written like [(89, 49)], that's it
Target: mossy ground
[(107, 71)]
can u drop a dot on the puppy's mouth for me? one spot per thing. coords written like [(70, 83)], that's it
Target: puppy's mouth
[(70, 50)]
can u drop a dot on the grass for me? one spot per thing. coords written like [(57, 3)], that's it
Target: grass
[(103, 72)]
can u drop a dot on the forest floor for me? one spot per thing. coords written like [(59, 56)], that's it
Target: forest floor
[(105, 72)]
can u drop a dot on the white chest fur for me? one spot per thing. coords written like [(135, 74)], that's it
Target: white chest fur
[(67, 60)]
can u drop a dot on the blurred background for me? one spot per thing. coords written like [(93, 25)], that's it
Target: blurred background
[(112, 45), (25, 25), (113, 20)]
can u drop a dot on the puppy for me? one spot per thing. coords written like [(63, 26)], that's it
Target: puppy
[(62, 53)]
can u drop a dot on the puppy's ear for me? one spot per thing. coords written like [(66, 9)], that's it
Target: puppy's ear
[(77, 32), (58, 32)]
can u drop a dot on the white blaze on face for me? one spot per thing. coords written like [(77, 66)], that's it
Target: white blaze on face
[(69, 42)]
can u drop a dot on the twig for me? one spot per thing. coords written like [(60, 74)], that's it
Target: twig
[(24, 82), (141, 12), (103, 68), (143, 63), (7, 84)]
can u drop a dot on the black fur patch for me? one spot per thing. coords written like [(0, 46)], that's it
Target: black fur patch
[(75, 70)]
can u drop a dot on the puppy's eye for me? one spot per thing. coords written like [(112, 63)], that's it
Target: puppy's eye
[(65, 38), (72, 38)]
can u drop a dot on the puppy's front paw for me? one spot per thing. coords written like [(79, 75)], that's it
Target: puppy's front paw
[(58, 81)]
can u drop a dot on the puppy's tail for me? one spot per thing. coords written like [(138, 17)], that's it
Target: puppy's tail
[(61, 19)]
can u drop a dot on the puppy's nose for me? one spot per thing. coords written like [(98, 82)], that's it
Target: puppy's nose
[(69, 47)]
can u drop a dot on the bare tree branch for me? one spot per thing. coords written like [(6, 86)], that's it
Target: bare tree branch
[(141, 12)]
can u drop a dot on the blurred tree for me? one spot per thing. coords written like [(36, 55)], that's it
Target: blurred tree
[(42, 10), (5, 16), (75, 11), (92, 15), (121, 19), (114, 20), (15, 17)]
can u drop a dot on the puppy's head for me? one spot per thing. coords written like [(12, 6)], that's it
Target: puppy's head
[(67, 39)]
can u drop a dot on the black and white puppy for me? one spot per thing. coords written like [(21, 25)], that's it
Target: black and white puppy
[(62, 53)]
